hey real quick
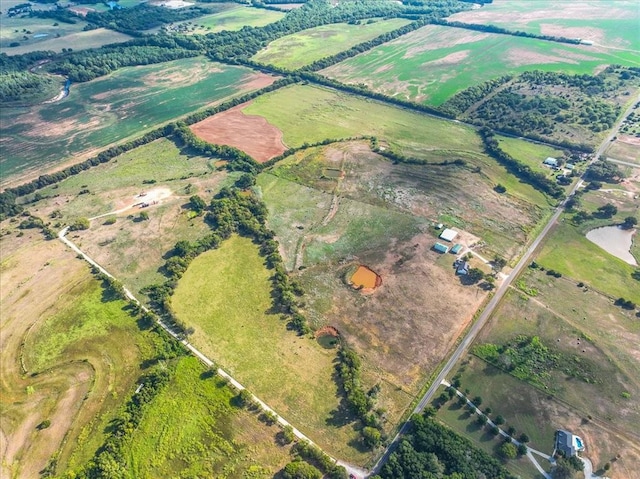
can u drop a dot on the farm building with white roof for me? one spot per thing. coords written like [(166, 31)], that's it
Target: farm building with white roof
[(448, 234)]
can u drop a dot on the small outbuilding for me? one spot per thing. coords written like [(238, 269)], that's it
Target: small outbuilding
[(568, 444), (552, 162), (456, 249), (440, 248), (448, 234)]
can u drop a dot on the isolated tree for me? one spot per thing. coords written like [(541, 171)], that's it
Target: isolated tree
[(300, 470), (80, 224), (498, 263), (629, 222), (144, 216), (499, 420), (287, 434), (197, 204), (371, 436), (511, 431), (522, 449), (474, 275), (636, 275), (477, 401), (523, 438), (508, 450), (607, 211)]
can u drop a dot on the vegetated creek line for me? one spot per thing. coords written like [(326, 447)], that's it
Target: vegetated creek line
[(208, 362), (614, 240)]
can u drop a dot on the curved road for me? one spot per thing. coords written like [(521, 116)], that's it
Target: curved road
[(497, 297)]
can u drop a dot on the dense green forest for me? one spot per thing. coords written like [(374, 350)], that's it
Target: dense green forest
[(432, 451), (24, 86)]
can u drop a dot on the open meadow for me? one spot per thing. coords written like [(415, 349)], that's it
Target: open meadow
[(112, 108), (70, 355), (305, 47), (131, 248), (432, 64), (226, 296), (591, 388), (608, 23), (233, 17), (216, 437)]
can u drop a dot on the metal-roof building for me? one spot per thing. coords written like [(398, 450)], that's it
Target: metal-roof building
[(456, 249), (448, 234), (440, 248)]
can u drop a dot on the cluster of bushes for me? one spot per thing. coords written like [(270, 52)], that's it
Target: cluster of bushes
[(360, 402), (319, 459), (527, 358), (435, 450), (605, 171), (554, 273), (35, 222), (22, 86), (523, 172), (625, 303)]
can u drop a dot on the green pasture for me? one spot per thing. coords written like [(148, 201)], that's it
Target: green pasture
[(568, 251), (432, 64), (158, 163), (462, 421), (112, 108), (613, 23), (310, 114), (89, 325), (72, 37), (214, 437), (235, 18), (529, 153), (226, 296), (305, 47)]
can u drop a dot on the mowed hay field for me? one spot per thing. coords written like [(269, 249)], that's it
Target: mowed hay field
[(70, 354), (433, 63), (305, 47), (193, 429), (611, 23), (111, 108), (129, 248), (235, 18), (226, 296)]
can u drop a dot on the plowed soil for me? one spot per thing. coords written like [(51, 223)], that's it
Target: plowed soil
[(250, 133)]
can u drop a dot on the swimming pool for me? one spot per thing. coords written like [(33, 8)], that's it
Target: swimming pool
[(579, 443)]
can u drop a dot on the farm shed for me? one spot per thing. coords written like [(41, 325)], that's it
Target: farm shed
[(440, 248), (552, 162), (456, 248), (448, 234)]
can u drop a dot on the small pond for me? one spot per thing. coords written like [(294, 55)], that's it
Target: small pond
[(614, 240)]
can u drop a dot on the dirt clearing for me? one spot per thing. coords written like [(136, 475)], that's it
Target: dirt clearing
[(250, 133)]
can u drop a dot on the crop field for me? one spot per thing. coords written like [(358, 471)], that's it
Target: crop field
[(69, 38), (214, 436), (305, 47), (625, 148), (251, 134), (109, 109), (226, 296), (70, 355), (232, 19), (433, 63), (130, 248), (609, 23)]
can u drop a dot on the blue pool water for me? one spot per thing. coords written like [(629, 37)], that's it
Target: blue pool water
[(578, 442)]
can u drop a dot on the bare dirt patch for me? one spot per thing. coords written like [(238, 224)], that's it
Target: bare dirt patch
[(520, 56), (451, 59), (435, 37), (250, 133)]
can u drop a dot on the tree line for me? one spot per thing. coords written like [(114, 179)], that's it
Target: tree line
[(505, 31), (523, 172)]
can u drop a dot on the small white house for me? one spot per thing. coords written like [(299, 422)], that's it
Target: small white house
[(448, 234), (552, 162)]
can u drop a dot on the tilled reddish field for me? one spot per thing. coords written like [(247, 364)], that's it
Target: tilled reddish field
[(252, 134)]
